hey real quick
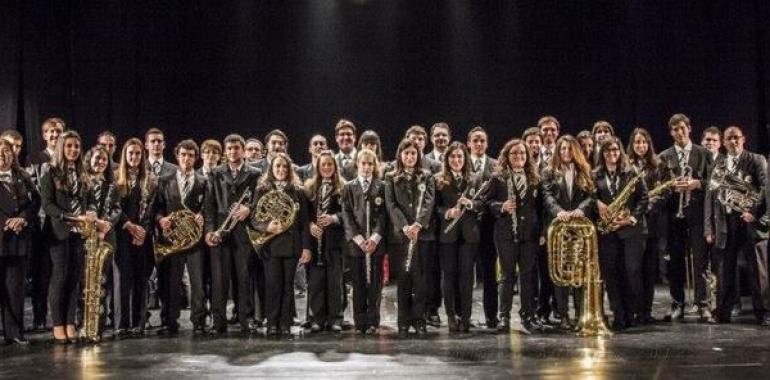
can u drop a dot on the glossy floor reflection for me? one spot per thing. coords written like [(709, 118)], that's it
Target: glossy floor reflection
[(681, 350)]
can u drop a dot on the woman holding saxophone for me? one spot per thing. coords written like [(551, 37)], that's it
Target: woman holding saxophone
[(514, 200), (621, 199), (324, 190)]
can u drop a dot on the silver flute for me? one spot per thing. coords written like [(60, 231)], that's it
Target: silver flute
[(514, 217), (321, 208), (456, 220), (368, 257), (413, 243)]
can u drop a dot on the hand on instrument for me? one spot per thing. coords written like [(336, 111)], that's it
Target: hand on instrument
[(274, 227), (165, 223), (103, 226), (325, 220), (464, 202), (748, 217), (412, 232), (509, 206), (603, 209), (621, 222), (453, 213), (578, 213), (563, 216), (90, 216), (199, 220), (369, 246), (709, 238), (212, 239), (315, 230), (306, 256), (241, 213), (14, 224)]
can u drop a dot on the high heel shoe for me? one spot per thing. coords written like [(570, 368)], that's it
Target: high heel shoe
[(72, 334), (59, 340)]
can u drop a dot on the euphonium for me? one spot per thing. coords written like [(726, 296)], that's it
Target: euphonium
[(98, 253), (733, 192), (273, 205), (617, 208), (183, 233), (573, 261)]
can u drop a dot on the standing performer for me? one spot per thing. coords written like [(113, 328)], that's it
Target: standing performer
[(226, 207), (567, 189), (514, 201), (409, 192), (19, 203), (440, 136), (642, 157), (325, 270), (732, 226), (287, 244), (132, 261), (691, 164), (363, 211), (345, 136), (315, 147), (622, 236), (63, 194), (457, 197), (184, 190)]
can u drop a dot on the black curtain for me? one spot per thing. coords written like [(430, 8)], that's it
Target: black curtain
[(202, 69)]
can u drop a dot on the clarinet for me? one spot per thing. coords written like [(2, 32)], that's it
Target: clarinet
[(413, 244), (368, 257), (514, 217), (321, 207)]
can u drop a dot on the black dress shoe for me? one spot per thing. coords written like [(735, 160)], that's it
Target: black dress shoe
[(272, 330), (736, 311), (168, 331), (19, 340), (285, 331), (371, 330), (120, 334), (565, 324), (335, 328), (676, 313), (465, 326), (434, 320), (39, 327), (492, 323), (248, 326), (199, 329), (421, 328), (233, 319), (403, 330), (504, 325), (619, 325), (765, 322), (315, 327), (137, 332), (218, 330), (453, 325), (346, 325)]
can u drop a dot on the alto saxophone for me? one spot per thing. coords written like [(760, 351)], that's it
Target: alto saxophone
[(617, 208), (413, 243), (98, 252)]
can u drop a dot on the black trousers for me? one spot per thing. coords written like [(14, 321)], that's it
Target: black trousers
[(487, 267), (725, 264), (759, 280), (258, 284), (457, 260), (683, 238), (130, 273), (632, 279), (523, 254), (40, 274), (366, 296), (650, 259), (12, 274), (279, 291), (411, 286), (67, 266), (325, 289), (612, 269), (546, 302), (237, 251), (432, 270), (170, 272)]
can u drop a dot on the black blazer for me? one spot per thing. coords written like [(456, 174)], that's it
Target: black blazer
[(446, 198), (528, 211), (354, 213), (291, 242), (22, 201), (334, 234), (168, 198), (306, 172), (36, 162), (166, 168), (137, 207), (556, 198), (107, 206), (750, 166), (401, 199), (56, 203), (701, 162), (224, 190), (637, 203), (427, 163)]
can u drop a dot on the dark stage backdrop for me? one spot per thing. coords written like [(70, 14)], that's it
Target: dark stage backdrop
[(206, 68)]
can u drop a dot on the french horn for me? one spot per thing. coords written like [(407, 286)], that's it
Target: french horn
[(183, 234), (273, 205)]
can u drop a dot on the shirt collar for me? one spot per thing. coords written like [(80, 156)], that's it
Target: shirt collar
[(686, 149), (7, 172), (361, 179), (153, 161)]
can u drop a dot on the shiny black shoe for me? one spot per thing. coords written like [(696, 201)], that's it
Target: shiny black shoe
[(335, 328), (199, 329), (272, 330), (765, 322), (736, 311), (504, 325), (120, 334), (421, 329), (454, 325), (492, 323), (21, 341), (371, 330), (248, 326), (527, 328), (168, 331), (403, 331), (218, 330), (39, 327), (137, 332), (704, 314), (676, 313), (315, 327), (433, 320), (286, 331), (565, 324), (233, 319), (619, 325)]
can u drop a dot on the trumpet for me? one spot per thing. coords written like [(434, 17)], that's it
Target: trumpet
[(229, 223), (684, 196), (413, 243)]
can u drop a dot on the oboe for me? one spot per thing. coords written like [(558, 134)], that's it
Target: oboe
[(321, 208), (413, 243), (368, 257), (514, 217)]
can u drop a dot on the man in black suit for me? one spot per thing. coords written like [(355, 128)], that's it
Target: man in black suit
[(231, 253), (417, 134), (734, 231), (440, 136), (317, 145), (254, 150), (685, 215), (345, 136), (549, 129), (276, 141), (183, 190), (483, 166), (40, 260)]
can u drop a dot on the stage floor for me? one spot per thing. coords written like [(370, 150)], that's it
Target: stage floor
[(680, 350)]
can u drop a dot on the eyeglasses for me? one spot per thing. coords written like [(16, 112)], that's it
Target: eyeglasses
[(733, 138)]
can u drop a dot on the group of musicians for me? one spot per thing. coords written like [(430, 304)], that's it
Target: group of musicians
[(434, 223)]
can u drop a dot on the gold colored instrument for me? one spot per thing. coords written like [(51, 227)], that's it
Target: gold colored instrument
[(661, 188), (183, 234), (573, 261), (273, 205), (98, 252), (617, 209)]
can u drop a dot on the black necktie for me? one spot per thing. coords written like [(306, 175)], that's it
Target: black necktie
[(365, 186), (186, 184), (477, 166), (156, 167), (521, 186), (75, 205)]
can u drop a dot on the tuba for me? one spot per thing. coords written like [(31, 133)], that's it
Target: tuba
[(573, 261), (273, 205), (183, 233), (98, 252), (617, 208)]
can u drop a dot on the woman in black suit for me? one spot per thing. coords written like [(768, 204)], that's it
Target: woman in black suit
[(641, 155), (280, 253), (409, 192), (19, 202), (513, 194), (133, 259), (455, 187), (621, 250), (325, 287), (64, 193), (567, 187)]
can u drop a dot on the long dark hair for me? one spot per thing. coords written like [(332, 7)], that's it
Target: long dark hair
[(88, 170), (59, 163), (650, 160), (601, 164), (268, 179), (313, 184), (584, 180), (143, 177), (504, 165), (398, 172), (445, 177)]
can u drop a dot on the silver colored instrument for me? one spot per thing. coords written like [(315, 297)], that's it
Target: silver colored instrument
[(413, 244)]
